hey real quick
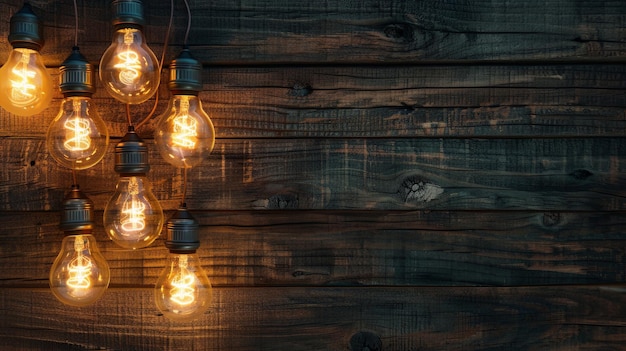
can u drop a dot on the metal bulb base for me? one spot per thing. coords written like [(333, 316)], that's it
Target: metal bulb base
[(185, 74), (26, 30), (77, 75), (77, 212), (182, 232), (131, 155), (127, 14)]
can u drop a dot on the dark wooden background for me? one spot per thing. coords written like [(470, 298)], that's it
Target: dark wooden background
[(388, 175)]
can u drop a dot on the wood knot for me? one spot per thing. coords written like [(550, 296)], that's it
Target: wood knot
[(399, 31), (414, 189), (581, 174), (283, 201), (300, 90), (365, 341), (550, 219)]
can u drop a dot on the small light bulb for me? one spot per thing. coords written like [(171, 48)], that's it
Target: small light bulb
[(129, 69), (25, 84), (183, 291), (77, 138), (80, 274), (184, 135), (133, 217)]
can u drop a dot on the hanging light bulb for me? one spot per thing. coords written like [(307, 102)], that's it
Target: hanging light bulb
[(80, 274), (184, 134), (77, 138), (25, 84), (133, 216), (183, 291), (129, 70)]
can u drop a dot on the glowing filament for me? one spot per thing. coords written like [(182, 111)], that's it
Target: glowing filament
[(79, 268), (77, 131), (22, 88), (183, 290), (129, 65), (185, 128), (133, 216)]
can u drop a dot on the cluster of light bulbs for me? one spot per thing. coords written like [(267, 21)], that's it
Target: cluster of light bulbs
[(78, 139)]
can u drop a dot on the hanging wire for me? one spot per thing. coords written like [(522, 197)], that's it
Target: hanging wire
[(165, 44), (182, 202), (75, 24), (188, 23)]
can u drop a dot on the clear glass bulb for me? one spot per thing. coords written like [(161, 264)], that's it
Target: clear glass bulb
[(80, 274), (129, 70), (77, 138), (184, 134), (183, 291), (133, 217), (25, 84)]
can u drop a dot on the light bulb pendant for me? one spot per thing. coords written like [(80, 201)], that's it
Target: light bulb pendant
[(79, 275), (133, 217), (78, 137), (183, 291), (25, 84), (184, 133)]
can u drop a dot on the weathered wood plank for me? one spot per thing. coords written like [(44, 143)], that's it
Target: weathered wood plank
[(418, 101), (447, 174), (373, 31), (293, 319), (354, 248)]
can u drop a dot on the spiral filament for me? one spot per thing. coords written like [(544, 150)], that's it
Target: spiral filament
[(79, 268), (22, 88), (185, 128), (130, 65), (77, 131), (183, 292), (133, 215)]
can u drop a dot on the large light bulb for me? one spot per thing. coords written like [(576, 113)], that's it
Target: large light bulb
[(129, 70), (183, 291), (133, 217), (80, 274), (77, 138), (25, 84), (184, 135)]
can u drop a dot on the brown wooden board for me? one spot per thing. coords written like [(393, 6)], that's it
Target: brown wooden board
[(373, 31), (351, 248), (304, 319)]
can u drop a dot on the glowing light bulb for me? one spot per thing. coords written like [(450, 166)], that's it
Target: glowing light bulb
[(133, 217), (129, 70), (80, 274), (184, 135), (25, 84), (183, 291)]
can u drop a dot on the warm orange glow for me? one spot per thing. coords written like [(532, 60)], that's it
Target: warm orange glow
[(79, 268), (183, 291), (185, 128), (128, 63), (77, 131), (22, 82), (133, 211)]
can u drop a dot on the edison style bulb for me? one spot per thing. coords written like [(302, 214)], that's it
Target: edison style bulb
[(183, 290), (80, 274), (184, 134), (25, 84), (133, 216), (129, 70)]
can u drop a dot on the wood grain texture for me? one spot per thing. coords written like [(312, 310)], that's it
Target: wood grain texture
[(351, 248), (304, 319), (372, 31), (467, 174), (393, 102)]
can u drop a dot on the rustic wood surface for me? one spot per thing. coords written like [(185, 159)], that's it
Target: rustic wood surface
[(307, 318), (388, 175)]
